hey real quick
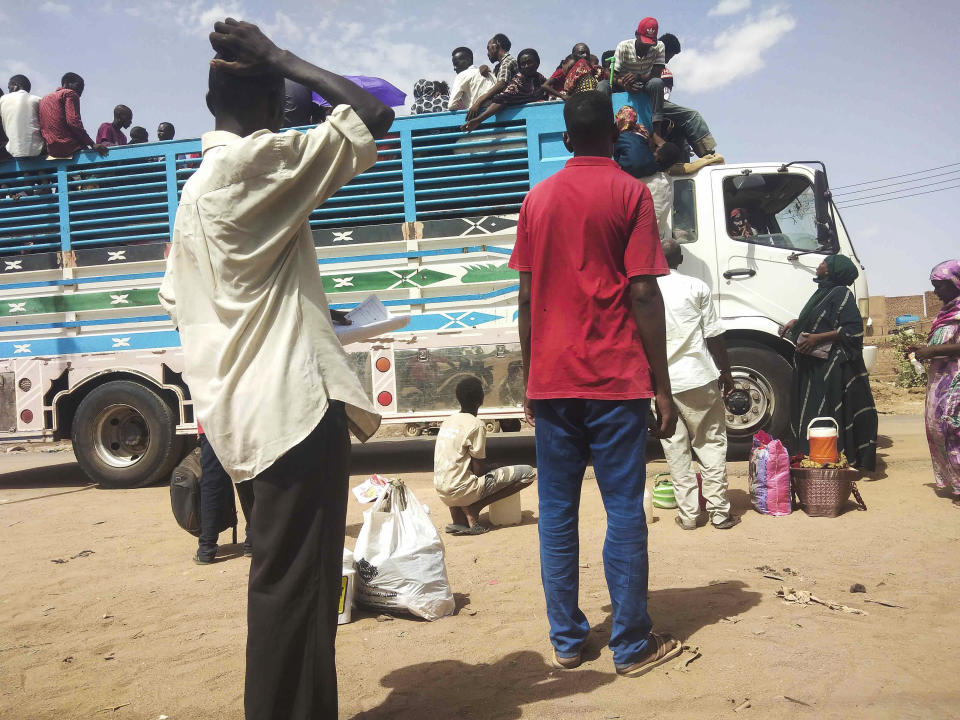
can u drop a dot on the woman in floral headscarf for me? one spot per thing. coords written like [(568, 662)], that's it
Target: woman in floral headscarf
[(943, 378)]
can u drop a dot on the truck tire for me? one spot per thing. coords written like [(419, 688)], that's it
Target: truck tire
[(492, 426), (762, 402), (510, 425), (124, 436)]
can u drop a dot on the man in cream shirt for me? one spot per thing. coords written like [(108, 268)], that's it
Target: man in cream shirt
[(470, 83), (20, 115), (269, 380), (700, 379)]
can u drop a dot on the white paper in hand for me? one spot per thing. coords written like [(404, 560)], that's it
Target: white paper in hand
[(369, 319)]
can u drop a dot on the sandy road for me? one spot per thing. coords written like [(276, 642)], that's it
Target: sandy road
[(134, 630)]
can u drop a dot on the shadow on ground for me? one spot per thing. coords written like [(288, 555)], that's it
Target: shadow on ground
[(393, 457), (450, 688), (65, 474)]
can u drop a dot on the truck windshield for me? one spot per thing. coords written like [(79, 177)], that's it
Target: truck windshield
[(774, 209)]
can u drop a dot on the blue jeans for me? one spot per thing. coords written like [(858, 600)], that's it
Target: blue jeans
[(568, 432)]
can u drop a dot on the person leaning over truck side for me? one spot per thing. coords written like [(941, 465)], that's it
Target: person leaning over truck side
[(594, 352), (524, 87), (20, 115), (60, 123), (700, 379), (111, 133), (464, 480), (275, 389), (504, 69)]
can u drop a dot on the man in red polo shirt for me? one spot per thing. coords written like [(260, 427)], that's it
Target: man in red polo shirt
[(594, 353)]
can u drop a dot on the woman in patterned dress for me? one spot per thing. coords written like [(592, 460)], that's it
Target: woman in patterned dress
[(829, 375), (942, 351)]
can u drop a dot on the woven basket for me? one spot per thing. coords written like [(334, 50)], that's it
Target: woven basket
[(824, 492)]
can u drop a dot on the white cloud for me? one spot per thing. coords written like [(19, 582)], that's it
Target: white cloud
[(55, 8), (734, 53), (198, 17), (40, 82), (729, 7)]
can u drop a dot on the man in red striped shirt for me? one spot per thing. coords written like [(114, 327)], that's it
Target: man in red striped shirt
[(60, 122)]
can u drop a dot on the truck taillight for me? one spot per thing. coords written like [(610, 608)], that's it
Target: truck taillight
[(383, 364), (27, 416), (25, 384), (384, 398)]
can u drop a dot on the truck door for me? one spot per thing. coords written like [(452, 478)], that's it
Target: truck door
[(762, 218)]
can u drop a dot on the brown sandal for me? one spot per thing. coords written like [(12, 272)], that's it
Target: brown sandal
[(660, 648)]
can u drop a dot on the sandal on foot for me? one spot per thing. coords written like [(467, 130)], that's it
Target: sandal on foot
[(475, 530), (660, 648), (567, 663), (454, 528)]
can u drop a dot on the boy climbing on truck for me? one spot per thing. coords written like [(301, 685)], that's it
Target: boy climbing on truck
[(464, 480)]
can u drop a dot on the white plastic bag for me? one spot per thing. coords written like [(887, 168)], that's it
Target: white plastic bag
[(399, 558)]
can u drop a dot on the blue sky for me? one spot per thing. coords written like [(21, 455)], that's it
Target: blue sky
[(837, 81)]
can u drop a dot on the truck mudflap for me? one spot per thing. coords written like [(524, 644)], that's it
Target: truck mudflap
[(8, 402)]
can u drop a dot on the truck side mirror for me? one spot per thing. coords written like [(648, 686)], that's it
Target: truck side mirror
[(826, 229)]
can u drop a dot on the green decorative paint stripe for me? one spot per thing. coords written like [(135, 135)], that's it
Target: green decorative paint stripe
[(78, 302), (488, 273), (382, 280)]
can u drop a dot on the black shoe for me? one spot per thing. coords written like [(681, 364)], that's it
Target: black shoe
[(730, 522), (200, 560)]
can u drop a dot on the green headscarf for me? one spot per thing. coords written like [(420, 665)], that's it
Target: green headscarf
[(841, 272)]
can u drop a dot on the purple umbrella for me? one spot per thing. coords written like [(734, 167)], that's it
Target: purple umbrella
[(378, 87)]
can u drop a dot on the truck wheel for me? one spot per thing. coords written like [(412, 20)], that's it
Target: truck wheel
[(413, 430), (492, 426), (124, 436), (510, 425), (762, 398)]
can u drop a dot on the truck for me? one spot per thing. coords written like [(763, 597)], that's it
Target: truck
[(87, 354)]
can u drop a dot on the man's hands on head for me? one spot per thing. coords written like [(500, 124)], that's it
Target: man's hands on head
[(252, 52)]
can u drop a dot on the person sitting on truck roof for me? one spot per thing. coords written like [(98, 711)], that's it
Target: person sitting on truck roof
[(577, 73), (111, 133), (504, 69), (20, 116), (687, 126), (138, 135), (60, 123), (465, 482), (471, 82), (638, 63), (524, 87), (166, 131), (430, 96)]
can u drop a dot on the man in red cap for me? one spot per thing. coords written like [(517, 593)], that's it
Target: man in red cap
[(638, 64), (740, 226)]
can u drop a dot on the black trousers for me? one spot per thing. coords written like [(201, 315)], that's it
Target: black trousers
[(297, 530), (215, 489)]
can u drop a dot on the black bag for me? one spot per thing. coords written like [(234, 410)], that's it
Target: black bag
[(185, 498)]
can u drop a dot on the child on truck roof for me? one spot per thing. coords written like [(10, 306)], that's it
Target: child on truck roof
[(464, 480)]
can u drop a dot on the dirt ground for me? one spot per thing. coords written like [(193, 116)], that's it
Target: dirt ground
[(104, 616)]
